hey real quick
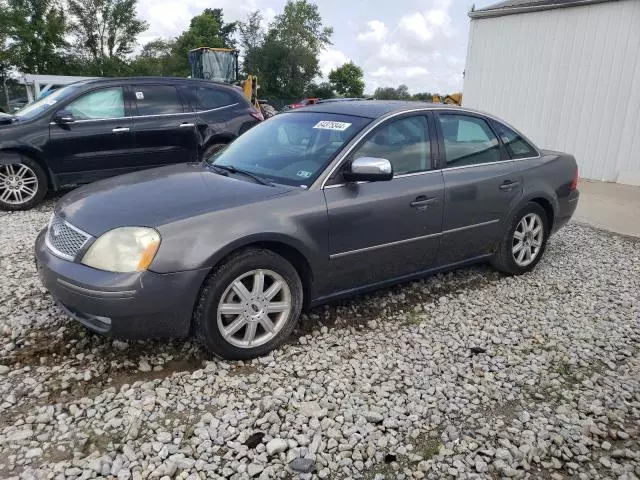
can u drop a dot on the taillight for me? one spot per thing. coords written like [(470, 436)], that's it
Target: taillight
[(574, 182), (257, 115)]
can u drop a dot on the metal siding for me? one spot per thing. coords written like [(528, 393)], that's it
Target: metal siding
[(568, 78)]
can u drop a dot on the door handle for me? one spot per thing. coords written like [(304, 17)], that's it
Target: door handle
[(508, 185), (187, 125), (120, 129), (422, 202)]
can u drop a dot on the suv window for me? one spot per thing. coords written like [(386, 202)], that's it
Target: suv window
[(404, 142), (157, 99), (468, 140), (514, 143), (98, 104), (210, 98)]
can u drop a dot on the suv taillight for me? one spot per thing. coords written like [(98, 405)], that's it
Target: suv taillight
[(257, 115), (574, 182)]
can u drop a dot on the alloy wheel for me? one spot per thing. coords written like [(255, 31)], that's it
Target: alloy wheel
[(18, 184), (527, 239), (254, 308)]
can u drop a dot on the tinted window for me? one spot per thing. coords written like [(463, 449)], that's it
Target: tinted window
[(405, 143), (209, 98), (291, 148), (99, 104), (468, 140), (515, 144), (157, 99)]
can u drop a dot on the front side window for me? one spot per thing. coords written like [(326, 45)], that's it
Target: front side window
[(468, 140), (291, 148), (210, 98), (99, 104), (157, 99), (46, 103), (404, 142), (516, 146)]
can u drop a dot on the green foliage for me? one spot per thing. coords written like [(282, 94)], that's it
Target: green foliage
[(425, 96), (32, 35), (251, 41), (347, 80), (322, 90), (105, 32)]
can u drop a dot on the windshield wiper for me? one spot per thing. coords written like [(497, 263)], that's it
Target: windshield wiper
[(230, 169)]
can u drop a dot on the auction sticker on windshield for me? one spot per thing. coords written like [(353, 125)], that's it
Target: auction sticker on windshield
[(329, 125)]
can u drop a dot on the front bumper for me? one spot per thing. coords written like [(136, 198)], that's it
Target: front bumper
[(125, 305)]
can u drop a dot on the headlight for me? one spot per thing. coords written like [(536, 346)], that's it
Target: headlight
[(123, 250)]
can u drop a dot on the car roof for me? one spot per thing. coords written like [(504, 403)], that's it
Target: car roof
[(367, 108), (143, 80)]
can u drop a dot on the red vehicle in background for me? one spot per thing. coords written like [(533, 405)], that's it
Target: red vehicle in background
[(303, 103)]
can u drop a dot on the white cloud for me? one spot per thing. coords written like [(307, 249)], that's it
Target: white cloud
[(330, 59), (376, 31), (416, 26)]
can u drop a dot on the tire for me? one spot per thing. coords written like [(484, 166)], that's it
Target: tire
[(23, 185), (210, 150), (245, 267), (519, 252)]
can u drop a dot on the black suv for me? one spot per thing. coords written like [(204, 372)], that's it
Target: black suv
[(99, 128)]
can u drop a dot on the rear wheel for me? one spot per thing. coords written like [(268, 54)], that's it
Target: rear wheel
[(249, 305), (524, 242), (22, 185)]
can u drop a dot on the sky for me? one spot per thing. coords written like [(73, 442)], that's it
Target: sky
[(421, 43)]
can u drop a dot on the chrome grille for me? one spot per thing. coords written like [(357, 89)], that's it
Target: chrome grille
[(65, 240)]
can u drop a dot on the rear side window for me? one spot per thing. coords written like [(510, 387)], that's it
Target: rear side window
[(157, 99), (517, 147), (468, 140), (209, 98)]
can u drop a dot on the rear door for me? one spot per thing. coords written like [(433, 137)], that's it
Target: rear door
[(481, 185), (385, 230), (164, 129), (98, 144)]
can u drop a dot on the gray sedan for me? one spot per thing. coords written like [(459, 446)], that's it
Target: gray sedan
[(310, 206)]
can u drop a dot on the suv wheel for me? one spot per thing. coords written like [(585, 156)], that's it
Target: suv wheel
[(22, 185), (249, 305), (524, 242)]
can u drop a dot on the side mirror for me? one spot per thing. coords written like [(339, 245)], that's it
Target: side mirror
[(369, 169), (64, 116)]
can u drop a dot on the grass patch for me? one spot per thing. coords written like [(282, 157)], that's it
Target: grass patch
[(413, 318), (430, 449)]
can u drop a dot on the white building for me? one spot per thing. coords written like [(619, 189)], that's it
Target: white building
[(566, 73)]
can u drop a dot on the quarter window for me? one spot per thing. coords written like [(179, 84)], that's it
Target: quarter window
[(516, 146), (209, 98), (157, 99), (404, 142), (468, 140), (99, 104)]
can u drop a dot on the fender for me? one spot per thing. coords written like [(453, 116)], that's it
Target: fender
[(12, 151)]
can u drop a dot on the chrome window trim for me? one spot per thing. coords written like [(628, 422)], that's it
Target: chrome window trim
[(149, 116), (331, 168), (409, 240), (57, 252)]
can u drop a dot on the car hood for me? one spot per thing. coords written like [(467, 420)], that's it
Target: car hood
[(152, 198)]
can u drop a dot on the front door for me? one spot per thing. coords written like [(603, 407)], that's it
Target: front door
[(386, 230), (97, 144), (164, 131), (481, 186)]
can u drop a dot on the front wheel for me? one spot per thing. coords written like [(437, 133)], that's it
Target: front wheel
[(22, 185), (249, 305), (524, 242)]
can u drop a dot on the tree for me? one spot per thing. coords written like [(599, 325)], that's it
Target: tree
[(205, 30), (347, 80), (425, 96), (155, 59), (32, 35), (106, 32), (390, 93), (251, 41), (287, 61), (322, 90)]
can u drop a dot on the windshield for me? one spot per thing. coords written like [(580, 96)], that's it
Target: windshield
[(45, 103), (291, 148)]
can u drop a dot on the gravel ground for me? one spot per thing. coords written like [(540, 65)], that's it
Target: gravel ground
[(469, 374)]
